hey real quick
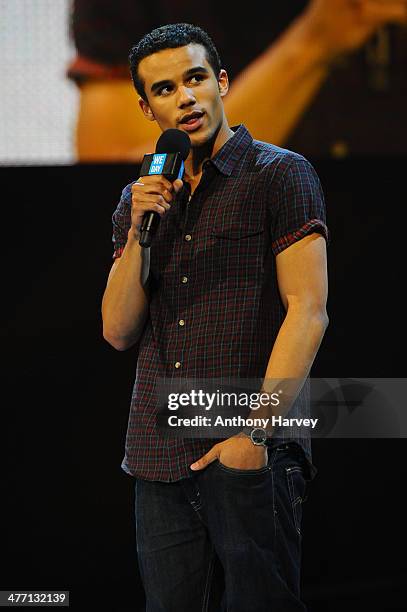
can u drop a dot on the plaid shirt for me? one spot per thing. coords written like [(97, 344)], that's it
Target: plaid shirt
[(215, 308)]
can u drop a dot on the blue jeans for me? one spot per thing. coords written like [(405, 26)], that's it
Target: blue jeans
[(224, 539)]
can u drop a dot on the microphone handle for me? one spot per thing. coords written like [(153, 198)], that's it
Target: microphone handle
[(148, 228)]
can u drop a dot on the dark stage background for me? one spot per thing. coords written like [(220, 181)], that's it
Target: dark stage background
[(68, 507)]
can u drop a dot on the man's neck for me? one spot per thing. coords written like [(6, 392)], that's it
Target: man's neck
[(195, 161)]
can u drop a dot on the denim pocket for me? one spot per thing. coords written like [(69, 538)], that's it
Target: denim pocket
[(239, 472), (296, 489)]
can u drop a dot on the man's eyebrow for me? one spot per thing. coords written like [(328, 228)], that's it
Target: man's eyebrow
[(187, 73), (194, 70), (159, 84)]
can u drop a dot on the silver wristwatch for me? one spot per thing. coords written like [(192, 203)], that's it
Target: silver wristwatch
[(257, 435)]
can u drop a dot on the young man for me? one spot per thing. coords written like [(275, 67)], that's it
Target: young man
[(234, 285)]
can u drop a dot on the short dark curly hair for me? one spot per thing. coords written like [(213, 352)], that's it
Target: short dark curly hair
[(171, 36)]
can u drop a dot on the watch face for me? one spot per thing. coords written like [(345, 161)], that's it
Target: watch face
[(259, 436)]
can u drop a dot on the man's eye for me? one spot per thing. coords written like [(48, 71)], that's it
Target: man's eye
[(164, 91), (197, 78)]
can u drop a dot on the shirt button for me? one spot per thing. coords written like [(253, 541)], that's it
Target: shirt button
[(188, 237), (184, 279), (181, 322), (177, 364)]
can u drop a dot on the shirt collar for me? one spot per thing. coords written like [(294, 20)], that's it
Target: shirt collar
[(227, 157)]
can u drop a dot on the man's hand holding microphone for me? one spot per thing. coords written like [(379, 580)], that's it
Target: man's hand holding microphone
[(160, 177), (152, 193)]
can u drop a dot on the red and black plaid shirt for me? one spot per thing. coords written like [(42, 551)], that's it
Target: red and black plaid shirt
[(215, 308)]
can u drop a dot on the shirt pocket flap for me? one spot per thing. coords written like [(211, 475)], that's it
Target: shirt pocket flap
[(237, 230)]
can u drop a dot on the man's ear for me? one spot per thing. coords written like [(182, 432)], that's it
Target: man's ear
[(223, 82), (145, 107)]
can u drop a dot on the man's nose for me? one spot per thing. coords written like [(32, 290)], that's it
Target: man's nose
[(185, 97)]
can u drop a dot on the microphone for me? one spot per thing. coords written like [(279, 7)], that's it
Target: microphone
[(171, 151)]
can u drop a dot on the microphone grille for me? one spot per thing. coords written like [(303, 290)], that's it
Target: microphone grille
[(174, 141)]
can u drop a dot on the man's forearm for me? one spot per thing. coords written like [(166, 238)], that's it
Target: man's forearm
[(125, 301), (275, 90), (291, 359)]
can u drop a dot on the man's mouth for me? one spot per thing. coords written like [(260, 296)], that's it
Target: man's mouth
[(192, 121)]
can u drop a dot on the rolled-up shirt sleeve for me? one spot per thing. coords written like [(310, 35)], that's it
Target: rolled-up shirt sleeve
[(102, 32), (298, 204)]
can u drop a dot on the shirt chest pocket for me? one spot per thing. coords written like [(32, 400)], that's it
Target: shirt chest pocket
[(236, 251)]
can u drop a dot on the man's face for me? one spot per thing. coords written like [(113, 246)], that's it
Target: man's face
[(183, 92)]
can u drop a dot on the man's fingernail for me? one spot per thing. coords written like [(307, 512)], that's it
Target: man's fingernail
[(194, 466)]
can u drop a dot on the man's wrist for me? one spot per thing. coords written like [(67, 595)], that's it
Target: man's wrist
[(314, 47), (133, 234), (257, 435)]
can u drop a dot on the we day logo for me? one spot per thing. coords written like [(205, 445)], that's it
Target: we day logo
[(158, 163)]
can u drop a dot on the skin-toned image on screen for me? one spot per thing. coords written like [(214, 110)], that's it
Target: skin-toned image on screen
[(274, 79)]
